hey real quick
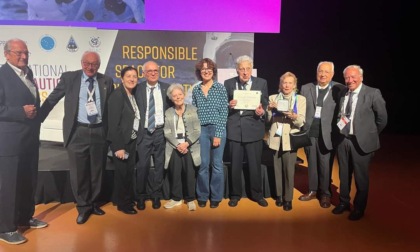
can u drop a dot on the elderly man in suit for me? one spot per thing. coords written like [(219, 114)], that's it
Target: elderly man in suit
[(362, 117), (84, 130), (152, 101), (19, 143), (321, 110), (245, 132)]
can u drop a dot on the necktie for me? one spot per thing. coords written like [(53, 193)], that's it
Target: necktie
[(244, 86), (346, 129), (92, 118), (349, 105), (151, 118)]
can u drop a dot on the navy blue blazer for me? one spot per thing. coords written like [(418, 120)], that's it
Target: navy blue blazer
[(246, 127), (17, 133)]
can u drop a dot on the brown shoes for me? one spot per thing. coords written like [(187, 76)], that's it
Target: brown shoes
[(325, 202), (309, 196)]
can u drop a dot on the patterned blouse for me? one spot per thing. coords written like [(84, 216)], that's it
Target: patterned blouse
[(212, 109)]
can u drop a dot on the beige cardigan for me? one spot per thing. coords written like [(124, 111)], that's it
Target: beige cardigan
[(289, 125)]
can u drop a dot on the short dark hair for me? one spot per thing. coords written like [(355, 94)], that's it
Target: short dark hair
[(128, 68)]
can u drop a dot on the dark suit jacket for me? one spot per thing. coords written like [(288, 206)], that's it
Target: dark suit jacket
[(247, 127), (329, 112), (17, 133), (141, 99), (370, 117), (121, 116), (69, 86)]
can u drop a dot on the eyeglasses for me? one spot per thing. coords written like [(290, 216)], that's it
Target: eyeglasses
[(208, 70), (19, 53), (87, 64), (152, 71), (242, 70)]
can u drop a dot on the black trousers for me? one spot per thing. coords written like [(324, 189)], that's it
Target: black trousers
[(151, 144), (352, 160), (253, 152), (182, 174), (18, 180), (87, 151), (123, 176)]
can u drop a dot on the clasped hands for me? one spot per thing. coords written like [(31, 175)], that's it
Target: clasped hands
[(183, 147)]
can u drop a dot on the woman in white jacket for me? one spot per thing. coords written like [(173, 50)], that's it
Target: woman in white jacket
[(286, 114)]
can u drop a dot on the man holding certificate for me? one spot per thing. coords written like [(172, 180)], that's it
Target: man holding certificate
[(248, 99)]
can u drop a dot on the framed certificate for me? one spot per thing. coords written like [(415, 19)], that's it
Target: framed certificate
[(283, 105), (247, 99)]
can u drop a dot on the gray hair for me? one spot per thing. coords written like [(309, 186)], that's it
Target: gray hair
[(172, 87), (143, 68), (8, 43), (325, 62), (357, 67), (244, 58), (92, 52)]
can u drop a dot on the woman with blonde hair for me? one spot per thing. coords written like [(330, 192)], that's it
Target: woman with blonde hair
[(286, 114)]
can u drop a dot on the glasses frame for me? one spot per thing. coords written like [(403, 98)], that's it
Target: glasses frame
[(209, 70), (87, 64), (20, 53)]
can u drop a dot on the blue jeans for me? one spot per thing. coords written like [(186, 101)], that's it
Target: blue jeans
[(210, 185)]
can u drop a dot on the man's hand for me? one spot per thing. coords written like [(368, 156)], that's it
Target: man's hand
[(30, 111)]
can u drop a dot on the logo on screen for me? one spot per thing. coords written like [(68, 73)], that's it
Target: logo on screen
[(47, 42), (71, 45), (94, 42)]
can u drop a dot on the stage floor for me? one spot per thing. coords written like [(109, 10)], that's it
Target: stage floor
[(391, 220)]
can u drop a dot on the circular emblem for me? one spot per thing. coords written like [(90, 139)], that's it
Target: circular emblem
[(47, 42)]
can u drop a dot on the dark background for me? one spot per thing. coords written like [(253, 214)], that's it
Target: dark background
[(376, 35)]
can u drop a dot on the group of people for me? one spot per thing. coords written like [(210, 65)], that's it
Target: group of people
[(149, 124)]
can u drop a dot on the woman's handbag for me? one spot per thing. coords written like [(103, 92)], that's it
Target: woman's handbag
[(299, 139)]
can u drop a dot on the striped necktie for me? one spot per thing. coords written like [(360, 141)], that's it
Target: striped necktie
[(151, 118)]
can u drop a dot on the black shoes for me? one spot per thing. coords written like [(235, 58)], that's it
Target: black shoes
[(262, 202), (279, 201), (141, 205), (156, 203), (341, 208), (287, 206), (233, 202), (97, 211), (202, 203), (214, 204), (127, 210), (356, 215), (83, 217)]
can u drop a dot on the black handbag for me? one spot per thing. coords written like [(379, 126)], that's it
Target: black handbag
[(299, 139)]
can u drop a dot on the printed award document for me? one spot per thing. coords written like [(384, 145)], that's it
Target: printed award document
[(247, 99)]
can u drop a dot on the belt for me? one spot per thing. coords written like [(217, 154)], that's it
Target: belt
[(157, 127), (87, 125)]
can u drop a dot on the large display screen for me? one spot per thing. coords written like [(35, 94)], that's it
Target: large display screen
[(158, 15)]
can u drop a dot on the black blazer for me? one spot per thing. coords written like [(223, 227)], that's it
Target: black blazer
[(141, 99), (247, 127), (121, 116), (17, 133), (69, 86)]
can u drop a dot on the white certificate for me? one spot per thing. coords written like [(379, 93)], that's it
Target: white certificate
[(247, 99)]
